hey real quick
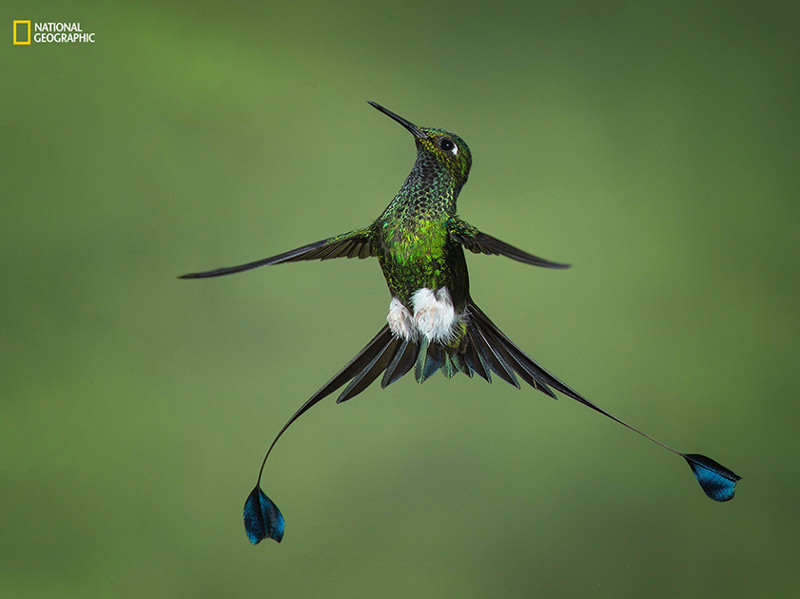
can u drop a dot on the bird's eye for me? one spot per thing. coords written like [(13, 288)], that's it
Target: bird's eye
[(446, 144)]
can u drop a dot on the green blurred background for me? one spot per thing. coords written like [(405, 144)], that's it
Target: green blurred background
[(652, 145)]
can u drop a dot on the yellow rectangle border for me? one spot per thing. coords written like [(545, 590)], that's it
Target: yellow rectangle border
[(18, 43)]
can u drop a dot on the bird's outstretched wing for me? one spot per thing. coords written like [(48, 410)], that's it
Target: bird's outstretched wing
[(355, 244), (481, 243)]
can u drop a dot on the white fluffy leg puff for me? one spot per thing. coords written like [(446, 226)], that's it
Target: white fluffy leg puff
[(434, 316), (400, 320)]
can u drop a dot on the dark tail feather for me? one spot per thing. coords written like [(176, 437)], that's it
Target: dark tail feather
[(482, 350), (511, 357), (453, 364), (502, 355), (358, 367), (403, 361), (474, 360), (429, 359), (384, 352), (490, 357), (383, 356), (262, 518)]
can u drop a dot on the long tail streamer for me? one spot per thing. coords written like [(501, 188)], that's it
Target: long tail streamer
[(485, 349)]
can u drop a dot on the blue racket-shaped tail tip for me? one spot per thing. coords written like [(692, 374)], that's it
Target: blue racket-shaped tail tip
[(262, 518), (717, 481)]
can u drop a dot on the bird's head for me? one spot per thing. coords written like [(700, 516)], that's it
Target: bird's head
[(449, 150)]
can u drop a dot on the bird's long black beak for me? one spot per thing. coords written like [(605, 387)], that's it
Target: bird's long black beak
[(415, 131)]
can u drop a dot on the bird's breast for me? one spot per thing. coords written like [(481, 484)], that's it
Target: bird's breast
[(419, 255)]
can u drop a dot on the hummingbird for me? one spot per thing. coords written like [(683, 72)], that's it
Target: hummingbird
[(433, 324)]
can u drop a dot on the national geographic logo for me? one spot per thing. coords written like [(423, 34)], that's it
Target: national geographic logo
[(50, 33)]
